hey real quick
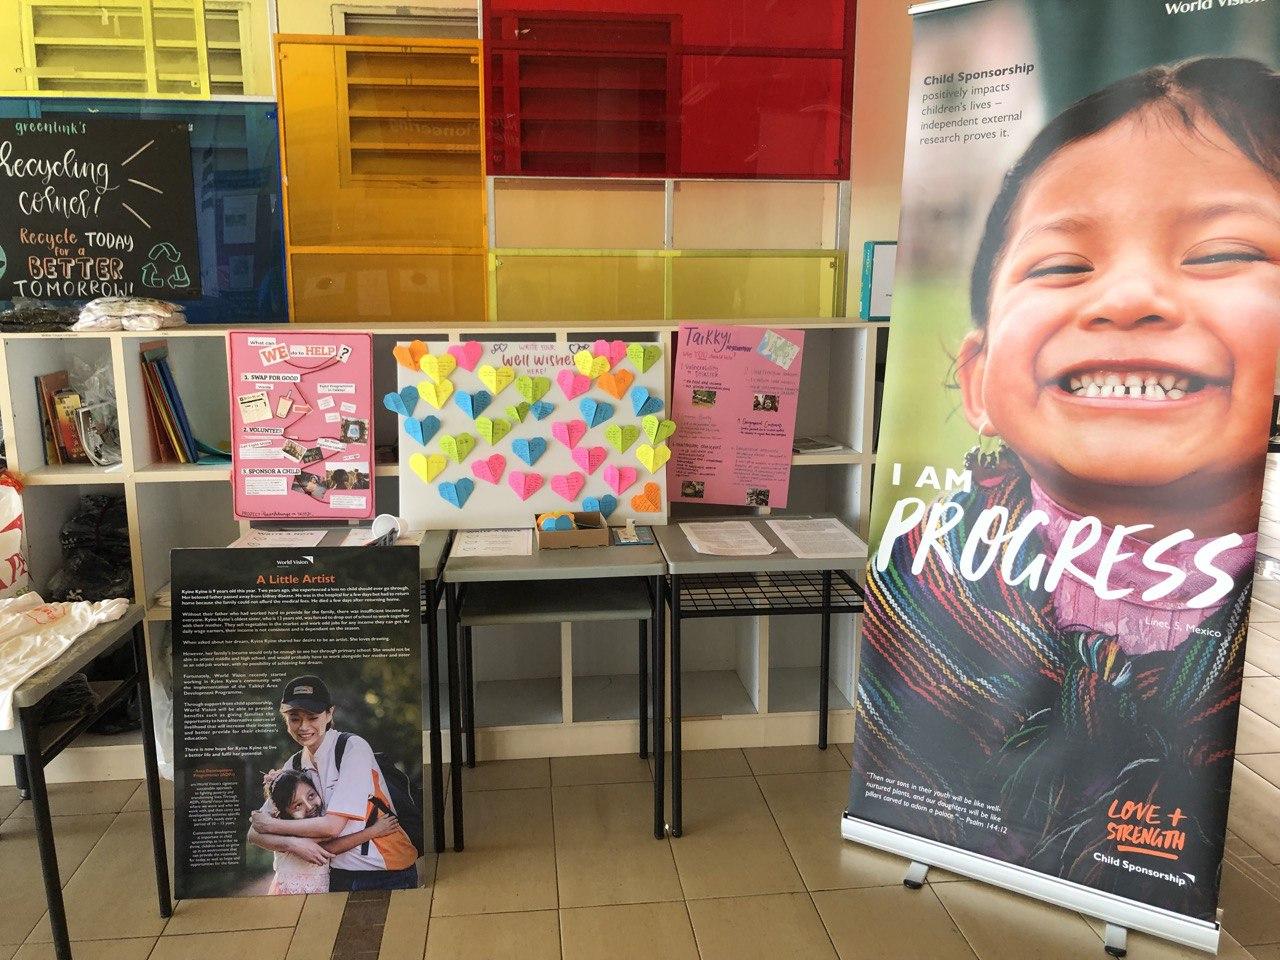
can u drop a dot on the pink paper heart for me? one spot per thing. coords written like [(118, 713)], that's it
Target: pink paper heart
[(569, 485), (524, 484), (588, 458), (569, 432), (467, 354), (572, 383), (490, 470), (619, 478), (615, 350)]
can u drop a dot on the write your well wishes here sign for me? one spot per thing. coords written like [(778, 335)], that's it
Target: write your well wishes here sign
[(97, 208)]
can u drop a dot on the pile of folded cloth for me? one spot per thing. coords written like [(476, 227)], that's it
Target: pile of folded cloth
[(129, 313)]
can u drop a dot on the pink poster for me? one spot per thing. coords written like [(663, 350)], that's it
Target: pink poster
[(735, 391), (302, 425)]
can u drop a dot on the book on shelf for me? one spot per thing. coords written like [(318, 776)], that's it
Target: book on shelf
[(171, 436), (816, 445), (58, 404)]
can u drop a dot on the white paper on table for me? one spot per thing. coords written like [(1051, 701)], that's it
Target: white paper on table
[(280, 538), (811, 538), (727, 538), (493, 543), (363, 536)]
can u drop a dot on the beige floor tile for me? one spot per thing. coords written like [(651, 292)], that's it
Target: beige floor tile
[(1252, 815), (139, 799), (1262, 696), (711, 764), (1143, 946), (642, 931), (807, 808), (1256, 735), (778, 927), (1238, 847), (1263, 651), (24, 904), (1270, 952), (243, 945), (805, 758), (317, 929), (611, 768), (847, 750), (233, 913), (9, 801), (97, 901), (82, 799), (496, 936), (1260, 612), (7, 950), (136, 949), (404, 936), (507, 775), (731, 846), (1251, 671), (1249, 913), (869, 924), (509, 861), (1000, 925), (605, 849), (1266, 765)]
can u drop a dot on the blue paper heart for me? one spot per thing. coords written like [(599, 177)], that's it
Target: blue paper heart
[(474, 404), (643, 402), (529, 450), (457, 492), (595, 412), (403, 403), (422, 430), (557, 523), (606, 505), (542, 409)]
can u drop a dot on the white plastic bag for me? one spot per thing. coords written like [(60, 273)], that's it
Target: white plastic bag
[(14, 579)]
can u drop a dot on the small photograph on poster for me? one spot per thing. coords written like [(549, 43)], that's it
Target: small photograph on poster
[(297, 720)]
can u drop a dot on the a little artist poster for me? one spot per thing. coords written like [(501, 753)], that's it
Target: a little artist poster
[(301, 413), (735, 391)]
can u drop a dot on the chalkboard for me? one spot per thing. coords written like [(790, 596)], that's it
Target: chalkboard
[(97, 208)]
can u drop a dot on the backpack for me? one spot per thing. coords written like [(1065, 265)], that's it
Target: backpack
[(405, 797)]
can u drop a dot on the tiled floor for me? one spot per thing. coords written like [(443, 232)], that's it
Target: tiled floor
[(560, 864)]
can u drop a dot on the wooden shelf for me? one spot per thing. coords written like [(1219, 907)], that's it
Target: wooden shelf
[(73, 474), (180, 472)]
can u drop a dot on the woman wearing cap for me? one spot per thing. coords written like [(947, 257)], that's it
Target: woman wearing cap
[(354, 790)]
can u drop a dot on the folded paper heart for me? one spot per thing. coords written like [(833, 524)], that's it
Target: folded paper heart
[(532, 388), (572, 383), (467, 354), (557, 523), (474, 404), (518, 411), (589, 365), (458, 447), (436, 394), (492, 429), (615, 350), (595, 412), (427, 466), (616, 382), (653, 458), (620, 478), (524, 484), (496, 379), (648, 500), (403, 403), (621, 436), (552, 514), (569, 432), (490, 469), (589, 458), (457, 492), (605, 505), (657, 430), (541, 409), (643, 402), (423, 429), (568, 485), (438, 367), (410, 354), (644, 355), (529, 450)]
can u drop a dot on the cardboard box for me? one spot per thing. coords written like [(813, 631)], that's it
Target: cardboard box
[(592, 531)]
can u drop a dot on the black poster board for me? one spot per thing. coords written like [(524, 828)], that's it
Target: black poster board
[(97, 208), (258, 633)]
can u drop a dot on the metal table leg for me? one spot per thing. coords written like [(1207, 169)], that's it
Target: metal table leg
[(644, 689), (455, 712), (676, 809), (657, 706), (433, 718), (30, 726), (154, 804), (469, 696), (824, 672), (20, 777)]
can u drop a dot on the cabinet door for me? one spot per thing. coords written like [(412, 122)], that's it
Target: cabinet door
[(762, 116)]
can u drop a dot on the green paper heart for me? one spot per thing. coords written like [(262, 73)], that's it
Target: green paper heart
[(657, 430), (622, 437), (457, 447), (492, 429), (518, 411), (644, 355), (533, 389)]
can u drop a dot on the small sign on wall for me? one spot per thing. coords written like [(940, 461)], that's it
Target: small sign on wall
[(878, 260)]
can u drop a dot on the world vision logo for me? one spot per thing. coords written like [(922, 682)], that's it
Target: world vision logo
[(1144, 828)]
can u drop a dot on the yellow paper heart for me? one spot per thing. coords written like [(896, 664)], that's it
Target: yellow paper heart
[(496, 379), (457, 447), (492, 429), (438, 367), (653, 457), (427, 467), (590, 365), (436, 394)]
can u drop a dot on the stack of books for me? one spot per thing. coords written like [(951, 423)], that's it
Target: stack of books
[(171, 435), (74, 431)]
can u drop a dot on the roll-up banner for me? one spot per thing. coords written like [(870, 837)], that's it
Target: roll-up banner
[(1086, 318)]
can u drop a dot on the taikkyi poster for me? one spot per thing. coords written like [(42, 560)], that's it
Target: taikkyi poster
[(1085, 326)]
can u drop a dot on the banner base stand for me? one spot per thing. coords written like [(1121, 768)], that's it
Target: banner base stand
[(1120, 915), (917, 873)]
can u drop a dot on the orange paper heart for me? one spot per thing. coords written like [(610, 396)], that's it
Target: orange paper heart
[(616, 383), (409, 354), (649, 500)]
